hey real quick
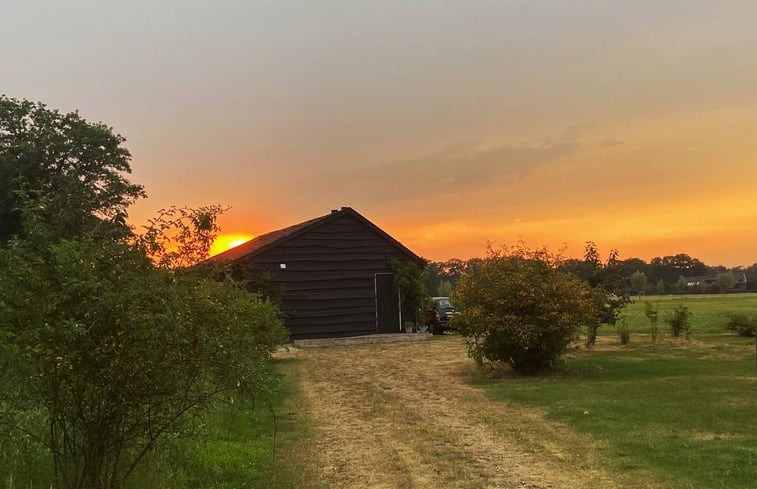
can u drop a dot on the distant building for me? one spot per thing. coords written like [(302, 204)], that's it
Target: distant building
[(330, 275), (711, 279)]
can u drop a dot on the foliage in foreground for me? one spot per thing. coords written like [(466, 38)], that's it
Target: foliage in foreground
[(118, 353), (105, 349), (520, 310)]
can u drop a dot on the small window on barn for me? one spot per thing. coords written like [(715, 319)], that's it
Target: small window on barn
[(282, 266)]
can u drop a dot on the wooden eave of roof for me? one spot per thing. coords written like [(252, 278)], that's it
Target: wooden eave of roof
[(269, 240)]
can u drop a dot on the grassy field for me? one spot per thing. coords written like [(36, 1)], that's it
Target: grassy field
[(684, 410), (251, 446), (677, 411), (708, 311)]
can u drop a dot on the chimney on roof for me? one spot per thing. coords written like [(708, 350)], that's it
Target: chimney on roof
[(334, 211)]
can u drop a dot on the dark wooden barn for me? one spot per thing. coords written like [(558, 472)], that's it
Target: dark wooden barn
[(330, 275)]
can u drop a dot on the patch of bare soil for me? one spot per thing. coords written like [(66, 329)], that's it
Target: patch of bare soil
[(400, 415)]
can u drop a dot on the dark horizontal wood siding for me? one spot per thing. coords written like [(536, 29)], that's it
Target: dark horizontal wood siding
[(327, 288)]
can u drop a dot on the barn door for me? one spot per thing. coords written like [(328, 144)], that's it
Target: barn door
[(387, 304)]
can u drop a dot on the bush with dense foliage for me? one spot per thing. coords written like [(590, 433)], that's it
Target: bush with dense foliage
[(742, 324), (118, 353), (678, 320), (106, 348), (519, 309), (409, 280), (607, 280)]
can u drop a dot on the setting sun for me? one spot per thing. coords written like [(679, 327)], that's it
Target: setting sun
[(227, 241)]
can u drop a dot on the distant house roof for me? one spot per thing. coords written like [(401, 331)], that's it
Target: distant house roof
[(738, 279), (266, 241)]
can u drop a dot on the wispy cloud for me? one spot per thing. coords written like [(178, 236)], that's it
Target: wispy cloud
[(452, 169)]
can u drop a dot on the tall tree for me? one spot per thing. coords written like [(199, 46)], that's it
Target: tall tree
[(681, 284), (669, 268), (724, 281), (608, 282), (74, 170), (639, 281), (660, 287), (106, 346)]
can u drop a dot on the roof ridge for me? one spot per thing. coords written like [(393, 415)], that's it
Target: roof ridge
[(265, 241)]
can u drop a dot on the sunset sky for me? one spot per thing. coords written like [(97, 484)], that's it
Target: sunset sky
[(447, 123)]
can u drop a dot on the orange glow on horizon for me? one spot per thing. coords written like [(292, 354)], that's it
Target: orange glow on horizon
[(227, 241)]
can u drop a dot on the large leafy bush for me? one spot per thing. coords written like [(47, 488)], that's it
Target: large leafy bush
[(743, 324), (517, 308), (109, 342)]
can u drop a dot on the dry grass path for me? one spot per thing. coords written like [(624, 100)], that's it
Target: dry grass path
[(401, 416)]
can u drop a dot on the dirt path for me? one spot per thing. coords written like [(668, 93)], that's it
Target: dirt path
[(400, 415)]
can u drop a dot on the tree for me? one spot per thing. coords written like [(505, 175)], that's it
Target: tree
[(409, 280), (725, 281), (445, 289), (74, 168), (638, 281), (703, 287), (630, 265), (608, 283), (518, 308), (180, 237), (444, 271), (681, 285), (652, 312), (106, 347), (660, 287), (670, 267), (117, 353), (751, 277), (678, 320)]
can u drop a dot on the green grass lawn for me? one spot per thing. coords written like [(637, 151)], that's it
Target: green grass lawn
[(253, 445), (684, 411), (708, 311), (235, 450)]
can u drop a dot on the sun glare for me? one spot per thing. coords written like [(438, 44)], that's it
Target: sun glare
[(227, 241)]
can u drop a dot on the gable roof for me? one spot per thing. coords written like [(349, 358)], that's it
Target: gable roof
[(738, 278), (267, 241)]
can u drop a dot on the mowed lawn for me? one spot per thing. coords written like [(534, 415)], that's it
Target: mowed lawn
[(709, 311), (685, 411)]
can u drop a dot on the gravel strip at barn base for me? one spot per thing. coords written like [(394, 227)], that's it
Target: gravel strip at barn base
[(402, 416)]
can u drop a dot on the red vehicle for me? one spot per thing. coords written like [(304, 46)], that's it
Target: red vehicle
[(432, 320), (438, 314)]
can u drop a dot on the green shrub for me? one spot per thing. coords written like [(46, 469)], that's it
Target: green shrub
[(742, 324), (624, 332), (517, 308), (409, 281), (652, 313), (678, 320)]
